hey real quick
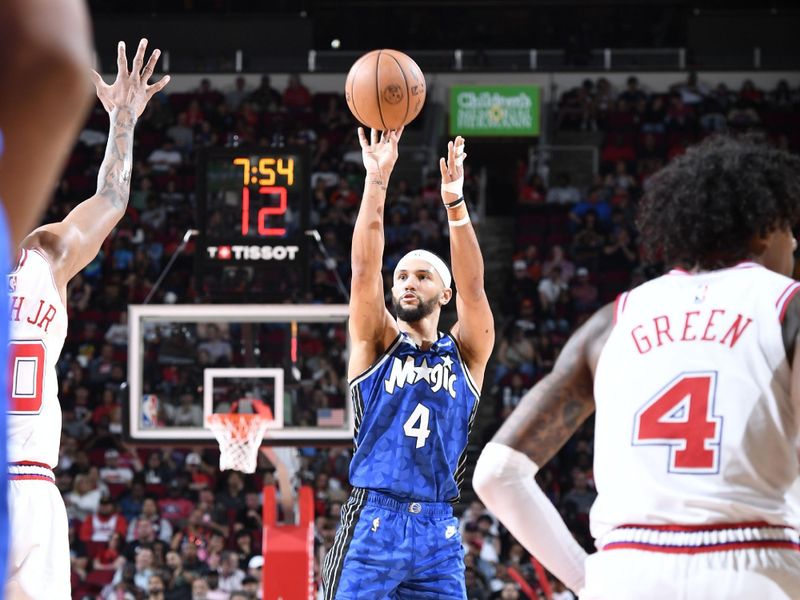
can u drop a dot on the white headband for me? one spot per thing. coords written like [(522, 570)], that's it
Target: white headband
[(429, 257)]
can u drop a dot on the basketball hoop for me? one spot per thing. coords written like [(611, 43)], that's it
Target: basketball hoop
[(239, 436)]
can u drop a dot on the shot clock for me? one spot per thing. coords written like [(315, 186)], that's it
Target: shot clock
[(252, 214)]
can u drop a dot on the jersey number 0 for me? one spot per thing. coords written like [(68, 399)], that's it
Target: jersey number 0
[(26, 362), (682, 417)]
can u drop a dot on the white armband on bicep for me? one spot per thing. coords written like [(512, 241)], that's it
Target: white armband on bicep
[(504, 480)]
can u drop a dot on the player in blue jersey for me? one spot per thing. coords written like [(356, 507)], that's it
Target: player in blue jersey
[(415, 393), (45, 53)]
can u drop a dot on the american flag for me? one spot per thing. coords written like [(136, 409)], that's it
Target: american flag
[(330, 417)]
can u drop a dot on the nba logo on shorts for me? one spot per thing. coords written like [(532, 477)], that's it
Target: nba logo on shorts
[(150, 411)]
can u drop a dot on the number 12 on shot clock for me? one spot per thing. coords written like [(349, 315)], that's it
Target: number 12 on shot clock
[(262, 176)]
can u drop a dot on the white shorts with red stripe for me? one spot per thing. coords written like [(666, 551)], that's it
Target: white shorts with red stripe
[(38, 558), (738, 561)]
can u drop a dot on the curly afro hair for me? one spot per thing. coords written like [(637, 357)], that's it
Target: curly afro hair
[(704, 208)]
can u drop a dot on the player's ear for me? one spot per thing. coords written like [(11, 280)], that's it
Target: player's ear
[(758, 243), (447, 294)]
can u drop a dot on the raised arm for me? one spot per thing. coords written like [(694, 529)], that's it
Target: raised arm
[(371, 325), (542, 423), (474, 330), (46, 49), (75, 241)]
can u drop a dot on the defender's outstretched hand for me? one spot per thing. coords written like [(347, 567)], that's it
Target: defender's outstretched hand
[(452, 170), (379, 155), (130, 89)]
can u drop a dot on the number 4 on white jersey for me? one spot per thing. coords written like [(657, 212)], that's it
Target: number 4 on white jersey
[(682, 417), (422, 414)]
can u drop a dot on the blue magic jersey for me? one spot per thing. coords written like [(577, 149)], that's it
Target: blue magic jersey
[(414, 410)]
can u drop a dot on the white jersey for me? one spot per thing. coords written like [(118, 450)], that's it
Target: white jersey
[(695, 423), (38, 328)]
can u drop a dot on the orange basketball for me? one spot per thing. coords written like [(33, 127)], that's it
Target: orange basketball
[(385, 89)]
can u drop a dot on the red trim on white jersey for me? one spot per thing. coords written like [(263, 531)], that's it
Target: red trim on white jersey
[(782, 304), (619, 305), (27, 470), (697, 539), (23, 256), (747, 264)]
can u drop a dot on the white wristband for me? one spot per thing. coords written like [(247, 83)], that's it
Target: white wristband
[(454, 187), (460, 222)]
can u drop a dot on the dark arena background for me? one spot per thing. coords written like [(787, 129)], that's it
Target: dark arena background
[(611, 92)]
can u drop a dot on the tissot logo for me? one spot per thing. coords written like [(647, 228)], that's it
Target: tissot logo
[(253, 252)]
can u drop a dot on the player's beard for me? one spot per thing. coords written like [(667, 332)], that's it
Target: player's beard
[(417, 313)]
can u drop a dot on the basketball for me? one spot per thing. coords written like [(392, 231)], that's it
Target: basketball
[(385, 89)]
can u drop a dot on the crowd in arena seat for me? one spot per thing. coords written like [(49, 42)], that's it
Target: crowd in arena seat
[(165, 523)]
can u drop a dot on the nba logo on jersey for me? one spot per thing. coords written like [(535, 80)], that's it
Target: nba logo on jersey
[(12, 284), (150, 411), (700, 293)]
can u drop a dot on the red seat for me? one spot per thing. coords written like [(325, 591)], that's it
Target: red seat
[(529, 239), (117, 489), (159, 490), (559, 239), (94, 548), (97, 456), (99, 578)]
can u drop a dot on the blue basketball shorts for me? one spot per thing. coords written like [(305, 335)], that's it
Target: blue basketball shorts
[(386, 548)]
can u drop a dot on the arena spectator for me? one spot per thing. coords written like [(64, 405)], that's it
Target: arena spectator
[(131, 500), (230, 575), (265, 96), (632, 94), (175, 507), (581, 495), (296, 97), (515, 354), (182, 135), (552, 290), (563, 192), (109, 558), (583, 292), (99, 526), (691, 91), (167, 156), (218, 347), (84, 500), (559, 259), (113, 472), (238, 94), (161, 527)]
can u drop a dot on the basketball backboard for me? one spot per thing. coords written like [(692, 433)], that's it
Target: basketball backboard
[(188, 361)]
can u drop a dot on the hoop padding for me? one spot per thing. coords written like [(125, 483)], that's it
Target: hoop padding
[(239, 437)]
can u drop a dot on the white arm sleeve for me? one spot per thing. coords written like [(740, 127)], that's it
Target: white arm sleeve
[(504, 480)]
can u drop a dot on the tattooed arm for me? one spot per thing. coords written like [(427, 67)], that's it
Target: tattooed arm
[(555, 407), (74, 242), (545, 419)]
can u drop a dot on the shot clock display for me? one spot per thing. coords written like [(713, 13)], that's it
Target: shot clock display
[(252, 215)]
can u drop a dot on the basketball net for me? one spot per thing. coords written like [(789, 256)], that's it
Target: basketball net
[(239, 436)]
